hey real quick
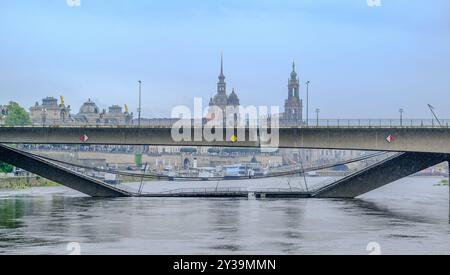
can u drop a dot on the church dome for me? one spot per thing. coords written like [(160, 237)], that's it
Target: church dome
[(220, 100), (89, 107), (233, 99), (293, 75)]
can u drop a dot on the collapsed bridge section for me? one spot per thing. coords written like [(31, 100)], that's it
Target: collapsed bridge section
[(60, 174), (379, 174)]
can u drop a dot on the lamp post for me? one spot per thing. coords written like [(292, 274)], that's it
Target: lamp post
[(401, 116), (307, 101), (317, 116), (140, 103)]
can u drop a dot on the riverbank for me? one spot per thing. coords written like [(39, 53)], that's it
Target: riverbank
[(24, 182), (442, 183)]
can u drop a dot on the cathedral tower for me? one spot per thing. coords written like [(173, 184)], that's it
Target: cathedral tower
[(293, 106)]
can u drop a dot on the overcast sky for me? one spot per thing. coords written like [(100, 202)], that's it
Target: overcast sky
[(363, 62)]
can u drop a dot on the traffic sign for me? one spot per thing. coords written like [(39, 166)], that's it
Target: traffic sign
[(391, 138), (84, 138)]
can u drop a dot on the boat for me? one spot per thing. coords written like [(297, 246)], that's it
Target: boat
[(235, 171)]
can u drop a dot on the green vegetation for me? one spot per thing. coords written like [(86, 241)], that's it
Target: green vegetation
[(442, 183), (5, 167), (16, 115), (25, 182)]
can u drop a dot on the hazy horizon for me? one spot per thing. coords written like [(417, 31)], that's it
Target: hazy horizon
[(362, 61)]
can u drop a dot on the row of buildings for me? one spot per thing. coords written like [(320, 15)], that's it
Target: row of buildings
[(50, 112)]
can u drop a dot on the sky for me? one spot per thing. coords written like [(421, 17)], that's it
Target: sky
[(363, 61)]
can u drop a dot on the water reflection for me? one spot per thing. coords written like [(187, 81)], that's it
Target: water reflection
[(44, 223), (10, 212)]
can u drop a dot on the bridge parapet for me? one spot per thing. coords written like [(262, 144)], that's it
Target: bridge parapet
[(394, 139), (341, 123)]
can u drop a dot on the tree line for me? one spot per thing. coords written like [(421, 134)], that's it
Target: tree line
[(13, 115)]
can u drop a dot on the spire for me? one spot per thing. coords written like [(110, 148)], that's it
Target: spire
[(293, 73), (221, 76), (221, 63)]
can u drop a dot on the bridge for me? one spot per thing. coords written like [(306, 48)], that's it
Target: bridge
[(371, 138), (420, 146), (58, 173)]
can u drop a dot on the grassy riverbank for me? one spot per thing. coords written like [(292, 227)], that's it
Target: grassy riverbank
[(24, 182), (442, 183)]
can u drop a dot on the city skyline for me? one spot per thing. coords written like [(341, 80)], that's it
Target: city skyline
[(103, 48), (229, 129)]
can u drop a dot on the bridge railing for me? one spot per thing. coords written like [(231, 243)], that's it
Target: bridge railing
[(205, 190), (378, 123), (230, 190), (341, 123)]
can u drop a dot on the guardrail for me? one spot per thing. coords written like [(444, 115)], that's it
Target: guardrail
[(206, 190), (211, 190), (379, 123), (340, 123)]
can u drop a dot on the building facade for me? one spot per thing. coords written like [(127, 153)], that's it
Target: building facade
[(50, 112), (115, 116), (90, 114)]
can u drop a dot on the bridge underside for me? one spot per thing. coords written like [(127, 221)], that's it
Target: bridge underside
[(380, 174), (366, 180), (59, 174)]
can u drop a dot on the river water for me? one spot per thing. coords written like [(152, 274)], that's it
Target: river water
[(409, 216)]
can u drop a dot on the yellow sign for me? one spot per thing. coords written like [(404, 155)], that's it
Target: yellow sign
[(234, 138)]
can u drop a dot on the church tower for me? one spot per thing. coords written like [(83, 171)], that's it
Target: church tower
[(221, 98), (293, 106)]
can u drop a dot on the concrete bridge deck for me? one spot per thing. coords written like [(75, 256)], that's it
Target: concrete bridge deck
[(60, 174), (395, 139), (379, 174), (363, 181)]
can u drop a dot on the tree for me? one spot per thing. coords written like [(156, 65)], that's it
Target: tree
[(16, 115), (5, 168)]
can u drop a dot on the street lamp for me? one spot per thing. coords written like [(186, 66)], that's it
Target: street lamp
[(140, 103), (307, 101), (401, 116), (317, 116)]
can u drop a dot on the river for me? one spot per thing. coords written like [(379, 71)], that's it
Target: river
[(410, 216)]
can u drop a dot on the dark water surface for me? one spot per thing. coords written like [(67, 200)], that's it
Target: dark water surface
[(409, 216)]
